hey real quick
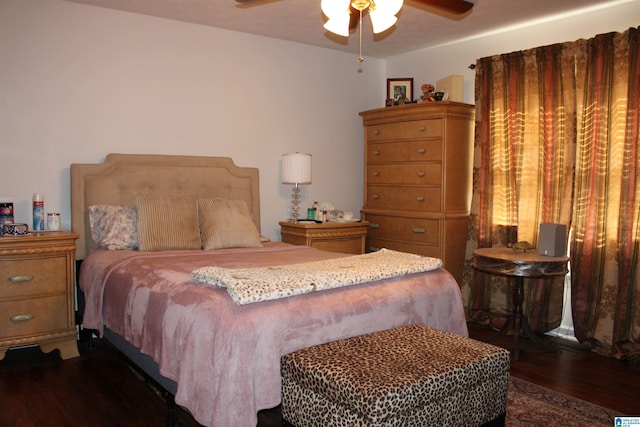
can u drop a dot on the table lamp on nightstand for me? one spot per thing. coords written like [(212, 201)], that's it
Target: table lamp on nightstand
[(296, 169)]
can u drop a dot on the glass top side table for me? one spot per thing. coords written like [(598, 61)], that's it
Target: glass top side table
[(518, 265)]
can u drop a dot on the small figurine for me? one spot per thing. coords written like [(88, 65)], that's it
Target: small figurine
[(522, 246), (428, 93)]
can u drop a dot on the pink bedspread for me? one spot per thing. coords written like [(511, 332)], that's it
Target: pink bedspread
[(225, 357)]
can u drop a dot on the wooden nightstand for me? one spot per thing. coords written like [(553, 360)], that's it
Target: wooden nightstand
[(37, 301), (346, 237)]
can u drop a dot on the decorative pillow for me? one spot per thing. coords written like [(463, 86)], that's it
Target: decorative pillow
[(167, 222), (113, 227), (226, 224)]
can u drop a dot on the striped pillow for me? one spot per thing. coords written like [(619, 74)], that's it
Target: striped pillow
[(167, 222)]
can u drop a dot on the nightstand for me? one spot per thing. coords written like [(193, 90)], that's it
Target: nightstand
[(346, 237), (37, 303)]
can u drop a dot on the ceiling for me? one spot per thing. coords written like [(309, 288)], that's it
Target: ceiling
[(302, 21)]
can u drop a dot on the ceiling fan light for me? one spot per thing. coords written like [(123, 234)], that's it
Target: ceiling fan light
[(381, 22), (390, 7), (339, 26), (393, 6), (335, 8)]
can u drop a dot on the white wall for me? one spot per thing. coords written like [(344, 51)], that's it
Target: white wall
[(78, 82), (430, 65)]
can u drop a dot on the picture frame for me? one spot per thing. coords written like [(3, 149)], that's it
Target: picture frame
[(398, 86)]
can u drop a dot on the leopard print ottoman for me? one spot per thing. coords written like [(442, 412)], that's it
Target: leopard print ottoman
[(408, 376)]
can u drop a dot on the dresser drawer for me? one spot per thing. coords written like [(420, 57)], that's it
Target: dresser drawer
[(424, 199), (410, 173), (33, 316), (416, 230), (414, 129), (24, 277), (404, 151), (374, 244)]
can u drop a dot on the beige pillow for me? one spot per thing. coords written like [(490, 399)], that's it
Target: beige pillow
[(167, 222), (226, 224)]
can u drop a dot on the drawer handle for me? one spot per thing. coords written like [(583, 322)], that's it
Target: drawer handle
[(421, 129), (376, 173), (376, 152), (375, 197), (20, 279), (420, 199), (419, 230), (421, 151), (420, 174), (376, 132), (21, 318), (373, 225)]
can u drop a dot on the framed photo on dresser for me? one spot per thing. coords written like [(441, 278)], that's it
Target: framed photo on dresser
[(398, 89)]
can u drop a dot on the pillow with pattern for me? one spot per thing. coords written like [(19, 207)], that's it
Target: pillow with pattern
[(113, 227)]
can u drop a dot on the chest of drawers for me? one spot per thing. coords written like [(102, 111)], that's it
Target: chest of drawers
[(37, 303), (418, 179)]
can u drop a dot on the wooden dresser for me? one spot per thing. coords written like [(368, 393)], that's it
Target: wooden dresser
[(418, 179), (37, 303)]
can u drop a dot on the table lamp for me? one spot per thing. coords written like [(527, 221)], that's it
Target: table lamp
[(296, 170)]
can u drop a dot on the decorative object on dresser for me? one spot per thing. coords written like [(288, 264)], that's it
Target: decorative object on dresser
[(452, 86), (400, 91), (418, 179), (37, 292), (296, 169), (347, 237)]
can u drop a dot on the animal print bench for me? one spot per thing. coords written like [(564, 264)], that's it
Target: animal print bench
[(408, 376)]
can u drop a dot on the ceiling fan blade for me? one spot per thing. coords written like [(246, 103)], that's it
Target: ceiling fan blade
[(457, 7)]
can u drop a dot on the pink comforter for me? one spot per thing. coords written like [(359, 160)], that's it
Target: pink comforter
[(225, 357)]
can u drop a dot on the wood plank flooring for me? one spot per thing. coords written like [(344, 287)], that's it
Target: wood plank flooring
[(99, 388)]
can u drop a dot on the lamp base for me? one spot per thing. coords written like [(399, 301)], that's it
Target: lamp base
[(295, 203)]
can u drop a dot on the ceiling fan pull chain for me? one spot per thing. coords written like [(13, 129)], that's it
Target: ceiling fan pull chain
[(360, 58)]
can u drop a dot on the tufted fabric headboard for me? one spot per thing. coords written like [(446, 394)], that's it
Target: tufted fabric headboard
[(115, 181)]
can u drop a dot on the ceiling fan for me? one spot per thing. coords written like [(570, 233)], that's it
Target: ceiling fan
[(344, 15), (455, 7)]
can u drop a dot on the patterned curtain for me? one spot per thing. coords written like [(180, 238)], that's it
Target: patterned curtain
[(605, 276), (543, 153)]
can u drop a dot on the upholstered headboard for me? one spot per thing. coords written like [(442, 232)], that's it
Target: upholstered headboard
[(115, 181)]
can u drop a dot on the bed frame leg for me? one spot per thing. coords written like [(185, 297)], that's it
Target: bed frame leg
[(171, 404)]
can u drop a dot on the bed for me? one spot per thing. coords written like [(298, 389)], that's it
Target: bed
[(218, 358)]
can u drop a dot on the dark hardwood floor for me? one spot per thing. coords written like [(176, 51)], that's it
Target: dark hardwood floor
[(99, 389)]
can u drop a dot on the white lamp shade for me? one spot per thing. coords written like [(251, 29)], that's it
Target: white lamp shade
[(296, 168)]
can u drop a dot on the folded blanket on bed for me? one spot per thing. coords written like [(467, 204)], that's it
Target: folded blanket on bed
[(247, 285)]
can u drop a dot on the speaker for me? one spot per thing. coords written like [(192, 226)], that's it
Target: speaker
[(552, 240)]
